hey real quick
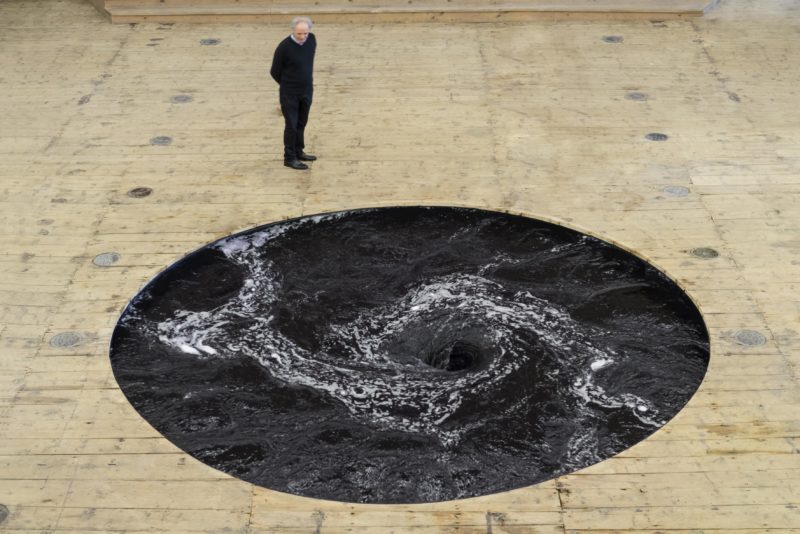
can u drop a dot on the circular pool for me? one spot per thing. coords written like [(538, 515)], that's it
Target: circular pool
[(408, 354)]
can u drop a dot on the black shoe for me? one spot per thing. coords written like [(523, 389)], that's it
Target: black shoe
[(306, 157), (296, 164)]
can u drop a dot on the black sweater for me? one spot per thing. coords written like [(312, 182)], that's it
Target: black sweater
[(293, 65)]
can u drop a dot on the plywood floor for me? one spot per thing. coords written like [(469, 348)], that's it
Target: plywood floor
[(396, 11), (535, 118)]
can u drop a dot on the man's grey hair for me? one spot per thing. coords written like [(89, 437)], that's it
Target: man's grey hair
[(298, 20)]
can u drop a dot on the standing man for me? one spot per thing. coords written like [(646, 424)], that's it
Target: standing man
[(293, 69)]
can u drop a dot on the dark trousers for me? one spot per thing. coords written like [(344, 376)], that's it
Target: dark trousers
[(295, 112)]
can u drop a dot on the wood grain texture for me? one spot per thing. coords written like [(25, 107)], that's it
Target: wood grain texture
[(382, 11), (534, 118)]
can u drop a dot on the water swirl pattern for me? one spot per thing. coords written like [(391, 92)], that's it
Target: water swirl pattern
[(411, 354)]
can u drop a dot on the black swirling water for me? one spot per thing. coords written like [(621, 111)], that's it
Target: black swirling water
[(409, 354)]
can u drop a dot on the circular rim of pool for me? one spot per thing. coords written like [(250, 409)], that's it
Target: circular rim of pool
[(568, 226)]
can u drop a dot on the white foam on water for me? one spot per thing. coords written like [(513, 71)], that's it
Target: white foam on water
[(600, 364), (594, 394), (234, 246), (207, 349), (189, 350), (374, 386)]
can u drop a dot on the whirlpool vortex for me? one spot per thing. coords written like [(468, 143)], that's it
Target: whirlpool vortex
[(408, 354)]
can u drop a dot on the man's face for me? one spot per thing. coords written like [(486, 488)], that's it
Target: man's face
[(301, 32)]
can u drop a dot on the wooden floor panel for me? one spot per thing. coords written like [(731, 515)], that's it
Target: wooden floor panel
[(382, 11), (539, 118)]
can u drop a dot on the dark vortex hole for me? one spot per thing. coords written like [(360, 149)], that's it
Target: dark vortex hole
[(459, 356)]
